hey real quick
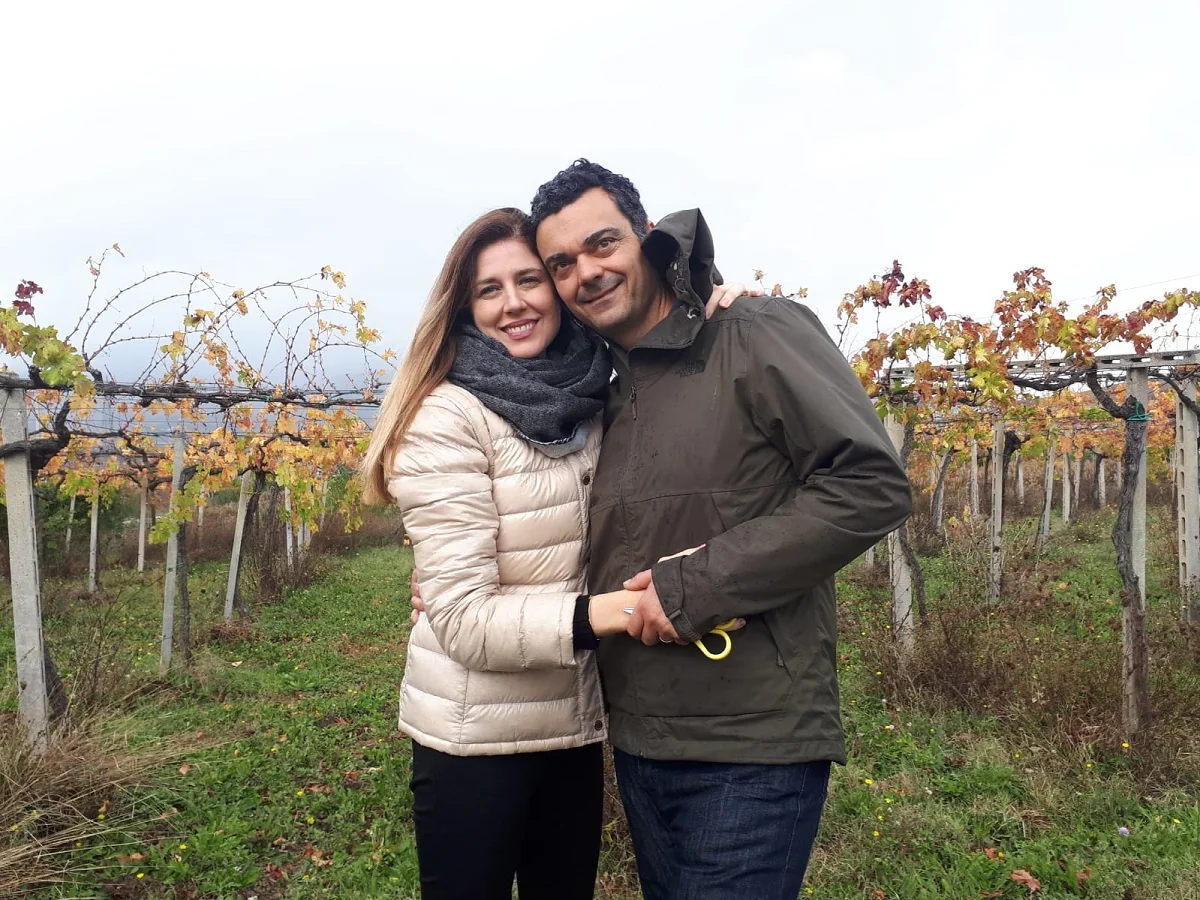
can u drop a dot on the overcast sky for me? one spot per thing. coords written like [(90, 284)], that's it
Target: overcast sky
[(260, 141)]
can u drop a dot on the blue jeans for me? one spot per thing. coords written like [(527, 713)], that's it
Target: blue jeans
[(710, 831)]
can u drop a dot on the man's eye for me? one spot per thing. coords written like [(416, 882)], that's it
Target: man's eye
[(605, 243)]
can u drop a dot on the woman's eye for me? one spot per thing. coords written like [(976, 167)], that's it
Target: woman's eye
[(488, 289), (530, 281)]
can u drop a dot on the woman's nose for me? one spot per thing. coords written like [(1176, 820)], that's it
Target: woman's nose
[(513, 301)]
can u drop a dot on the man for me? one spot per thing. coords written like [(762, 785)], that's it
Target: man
[(750, 435)]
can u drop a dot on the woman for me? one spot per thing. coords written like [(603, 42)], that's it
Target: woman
[(487, 439)]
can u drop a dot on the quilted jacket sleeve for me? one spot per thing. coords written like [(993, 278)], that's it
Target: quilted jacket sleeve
[(441, 480)]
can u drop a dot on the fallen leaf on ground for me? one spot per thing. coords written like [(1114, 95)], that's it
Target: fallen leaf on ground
[(316, 857), (1023, 878)]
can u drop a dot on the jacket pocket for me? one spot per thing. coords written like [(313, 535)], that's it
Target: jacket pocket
[(681, 681), (782, 636)]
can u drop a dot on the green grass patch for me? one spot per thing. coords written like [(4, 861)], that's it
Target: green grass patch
[(287, 776)]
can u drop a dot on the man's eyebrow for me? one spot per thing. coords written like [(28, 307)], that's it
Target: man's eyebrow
[(597, 236)]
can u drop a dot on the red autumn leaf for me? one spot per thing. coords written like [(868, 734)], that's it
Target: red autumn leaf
[(26, 289)]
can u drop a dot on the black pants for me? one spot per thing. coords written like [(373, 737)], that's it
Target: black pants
[(480, 820)]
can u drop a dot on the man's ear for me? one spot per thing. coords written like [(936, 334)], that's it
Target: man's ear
[(649, 226)]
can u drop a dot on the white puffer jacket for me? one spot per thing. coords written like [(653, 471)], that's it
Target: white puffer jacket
[(500, 534)]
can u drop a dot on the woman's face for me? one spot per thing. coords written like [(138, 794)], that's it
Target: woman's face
[(513, 300)]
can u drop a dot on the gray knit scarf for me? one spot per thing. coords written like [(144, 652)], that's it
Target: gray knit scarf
[(550, 400)]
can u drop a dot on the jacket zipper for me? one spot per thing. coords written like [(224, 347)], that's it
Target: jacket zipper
[(633, 437), (625, 479)]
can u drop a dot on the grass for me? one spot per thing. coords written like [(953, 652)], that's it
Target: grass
[(286, 775), (300, 784), (950, 792)]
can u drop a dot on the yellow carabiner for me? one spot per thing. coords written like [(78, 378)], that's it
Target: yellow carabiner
[(723, 631)]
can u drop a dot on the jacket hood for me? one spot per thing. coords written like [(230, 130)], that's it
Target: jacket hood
[(680, 248)]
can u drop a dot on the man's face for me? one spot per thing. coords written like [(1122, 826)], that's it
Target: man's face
[(595, 259)]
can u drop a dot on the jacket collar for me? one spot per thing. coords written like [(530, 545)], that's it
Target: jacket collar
[(680, 249)]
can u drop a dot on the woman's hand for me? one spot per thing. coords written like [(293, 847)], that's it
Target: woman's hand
[(414, 592), (606, 612), (724, 295)]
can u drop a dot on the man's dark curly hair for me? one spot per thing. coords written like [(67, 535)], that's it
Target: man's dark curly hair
[(581, 176)]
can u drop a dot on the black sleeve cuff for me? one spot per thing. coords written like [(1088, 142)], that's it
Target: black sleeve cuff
[(581, 628)]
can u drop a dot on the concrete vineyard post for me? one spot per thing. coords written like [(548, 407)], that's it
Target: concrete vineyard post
[(239, 528), (903, 626), (32, 701)]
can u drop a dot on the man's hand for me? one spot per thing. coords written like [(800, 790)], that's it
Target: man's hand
[(641, 620), (641, 580), (418, 606), (648, 623), (638, 582)]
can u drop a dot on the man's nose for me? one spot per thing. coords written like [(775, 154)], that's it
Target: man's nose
[(589, 269)]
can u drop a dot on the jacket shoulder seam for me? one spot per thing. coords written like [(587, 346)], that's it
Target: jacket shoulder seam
[(748, 371)]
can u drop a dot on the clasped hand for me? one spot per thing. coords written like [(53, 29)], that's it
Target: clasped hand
[(635, 610)]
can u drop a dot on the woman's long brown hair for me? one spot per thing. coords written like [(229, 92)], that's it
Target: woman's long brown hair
[(431, 353)]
